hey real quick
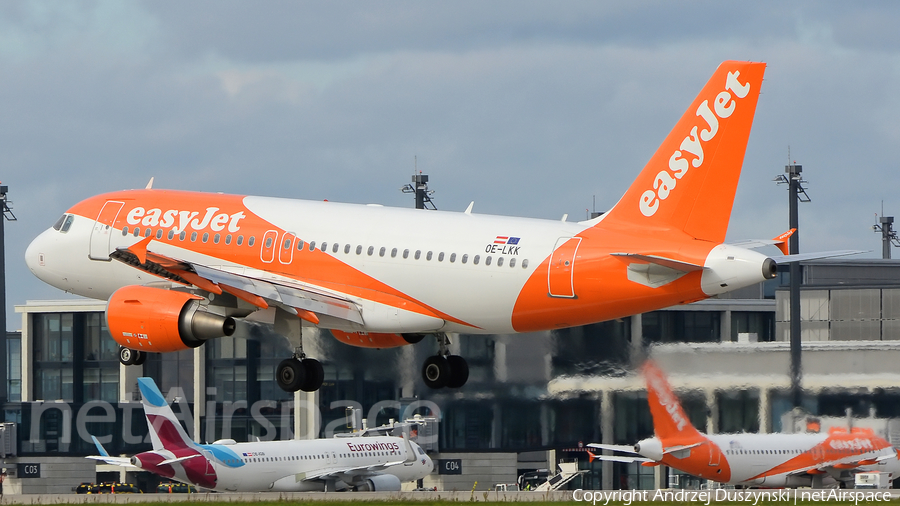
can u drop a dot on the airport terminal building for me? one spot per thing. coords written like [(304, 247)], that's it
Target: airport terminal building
[(532, 400)]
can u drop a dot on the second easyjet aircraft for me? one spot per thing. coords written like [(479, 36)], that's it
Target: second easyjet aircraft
[(179, 268), (767, 460)]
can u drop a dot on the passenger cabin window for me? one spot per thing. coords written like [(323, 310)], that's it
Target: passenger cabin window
[(465, 257), (124, 229), (370, 250), (452, 257), (359, 249), (335, 248), (312, 245), (193, 236), (394, 253), (406, 253), (241, 240), (476, 259), (250, 241)]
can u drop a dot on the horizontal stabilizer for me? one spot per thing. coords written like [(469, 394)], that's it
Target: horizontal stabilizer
[(679, 448), (621, 458), (786, 259), (678, 265), (615, 448)]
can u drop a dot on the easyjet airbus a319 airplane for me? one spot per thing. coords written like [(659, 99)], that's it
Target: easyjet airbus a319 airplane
[(768, 460), (179, 268)]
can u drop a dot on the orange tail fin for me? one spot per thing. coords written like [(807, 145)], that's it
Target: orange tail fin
[(690, 181), (670, 423)]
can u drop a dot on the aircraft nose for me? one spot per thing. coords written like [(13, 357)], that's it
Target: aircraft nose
[(34, 254)]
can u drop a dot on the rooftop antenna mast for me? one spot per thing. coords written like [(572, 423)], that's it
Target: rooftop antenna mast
[(419, 187), (889, 237)]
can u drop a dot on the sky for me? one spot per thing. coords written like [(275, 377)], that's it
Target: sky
[(527, 108)]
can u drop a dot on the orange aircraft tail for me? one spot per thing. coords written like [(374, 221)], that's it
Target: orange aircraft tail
[(690, 182), (670, 423)]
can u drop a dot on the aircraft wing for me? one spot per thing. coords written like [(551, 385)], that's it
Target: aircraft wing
[(346, 474), (257, 288)]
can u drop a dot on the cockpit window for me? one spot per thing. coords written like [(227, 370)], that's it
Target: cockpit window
[(420, 450), (64, 222)]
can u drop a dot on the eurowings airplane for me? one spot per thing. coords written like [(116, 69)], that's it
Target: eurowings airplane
[(767, 460), (355, 463), (179, 268)]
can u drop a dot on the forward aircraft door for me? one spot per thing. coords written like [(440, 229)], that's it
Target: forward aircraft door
[(102, 228), (560, 277)]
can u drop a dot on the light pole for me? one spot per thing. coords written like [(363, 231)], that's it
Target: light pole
[(796, 194)]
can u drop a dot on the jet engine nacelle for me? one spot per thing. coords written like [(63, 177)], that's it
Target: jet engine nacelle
[(379, 483), (152, 319), (376, 339)]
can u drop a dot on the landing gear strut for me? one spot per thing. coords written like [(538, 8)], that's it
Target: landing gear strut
[(300, 373), (127, 356), (444, 369)]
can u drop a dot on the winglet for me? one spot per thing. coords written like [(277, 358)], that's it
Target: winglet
[(782, 241), (139, 249), (103, 452)]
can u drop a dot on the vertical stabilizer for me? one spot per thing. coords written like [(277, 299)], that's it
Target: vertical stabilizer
[(670, 423), (166, 431), (689, 183)]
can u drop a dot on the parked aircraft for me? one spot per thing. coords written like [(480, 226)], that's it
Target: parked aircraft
[(768, 460), (179, 268), (355, 463)]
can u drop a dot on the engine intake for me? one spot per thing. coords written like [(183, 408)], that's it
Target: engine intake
[(152, 319)]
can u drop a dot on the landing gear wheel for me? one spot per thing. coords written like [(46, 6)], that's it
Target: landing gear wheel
[(290, 375), (127, 356), (459, 371), (315, 375), (141, 357), (436, 372)]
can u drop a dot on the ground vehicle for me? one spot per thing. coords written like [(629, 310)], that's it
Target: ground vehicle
[(117, 488), (872, 480), (176, 488)]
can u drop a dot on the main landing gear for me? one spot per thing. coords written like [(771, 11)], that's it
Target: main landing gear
[(445, 370), (131, 357), (300, 373)]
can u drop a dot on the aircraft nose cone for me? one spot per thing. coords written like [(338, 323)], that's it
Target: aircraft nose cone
[(34, 255)]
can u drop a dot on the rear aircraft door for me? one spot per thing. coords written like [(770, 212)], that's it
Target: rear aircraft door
[(560, 276), (286, 252), (102, 229)]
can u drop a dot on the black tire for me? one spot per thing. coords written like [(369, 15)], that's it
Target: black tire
[(459, 371), (436, 372), (141, 358), (315, 375), (290, 375), (127, 356)]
